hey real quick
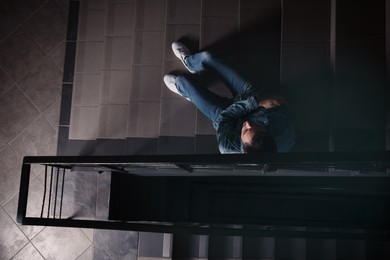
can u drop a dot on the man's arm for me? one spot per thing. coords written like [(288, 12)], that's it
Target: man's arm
[(228, 136)]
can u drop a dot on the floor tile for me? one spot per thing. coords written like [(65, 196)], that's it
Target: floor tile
[(178, 117), (2, 143), (89, 57), (206, 144), (87, 255), (61, 243), (184, 12), (142, 146), (144, 119), (9, 174), (306, 20), (118, 52), (121, 19), (11, 238), (150, 15), (84, 123), (58, 55), (86, 89), (19, 53), (111, 147), (34, 206), (6, 82), (115, 244), (221, 8), (91, 25), (113, 121), (148, 48), (176, 145), (7, 22), (48, 34), (38, 139), (150, 244), (115, 87), (42, 84), (146, 83), (258, 248), (21, 9), (103, 195), (52, 114), (225, 247), (28, 252), (214, 28)]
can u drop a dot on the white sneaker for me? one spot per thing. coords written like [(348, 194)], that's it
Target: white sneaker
[(181, 51), (170, 81)]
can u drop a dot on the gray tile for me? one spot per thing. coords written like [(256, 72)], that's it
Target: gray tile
[(7, 22), (93, 4), (360, 57), (321, 249), (292, 248), (150, 244), (184, 12), (176, 145), (351, 249), (263, 24), (148, 48), (178, 117), (113, 121), (103, 196), (304, 63), (146, 83), (87, 255), (115, 244), (121, 19), (91, 25), (52, 114), (367, 17), (258, 247), (142, 146), (84, 123), (111, 147), (80, 194), (214, 28), (58, 55), (28, 252), (310, 105), (64, 4), (6, 82), (89, 57), (118, 52), (11, 238), (22, 9), (42, 84), (186, 246), (150, 15), (175, 32), (221, 8), (348, 111), (144, 118), (48, 34), (86, 89), (306, 20), (38, 139), (203, 125), (61, 243), (260, 4), (2, 143), (17, 113), (34, 205), (116, 87), (225, 247), (206, 144), (19, 53)]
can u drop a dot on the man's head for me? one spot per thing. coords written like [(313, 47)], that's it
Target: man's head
[(256, 139)]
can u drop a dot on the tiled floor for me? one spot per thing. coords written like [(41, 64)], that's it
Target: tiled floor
[(114, 102)]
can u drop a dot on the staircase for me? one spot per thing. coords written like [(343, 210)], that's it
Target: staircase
[(327, 57)]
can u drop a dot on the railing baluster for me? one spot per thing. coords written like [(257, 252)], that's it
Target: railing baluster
[(51, 183), (44, 192), (62, 189)]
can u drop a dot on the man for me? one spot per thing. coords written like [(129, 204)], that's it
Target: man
[(254, 121)]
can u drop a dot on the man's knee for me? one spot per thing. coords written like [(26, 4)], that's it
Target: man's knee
[(207, 56)]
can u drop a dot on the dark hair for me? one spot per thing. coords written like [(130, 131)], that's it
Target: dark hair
[(262, 142)]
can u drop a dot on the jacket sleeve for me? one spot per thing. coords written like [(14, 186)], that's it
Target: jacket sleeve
[(228, 131)]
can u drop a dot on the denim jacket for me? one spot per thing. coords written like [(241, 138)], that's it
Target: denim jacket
[(277, 120)]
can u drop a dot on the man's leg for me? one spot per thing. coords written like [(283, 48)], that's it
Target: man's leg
[(210, 104), (207, 60)]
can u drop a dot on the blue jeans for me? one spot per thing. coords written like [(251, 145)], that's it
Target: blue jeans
[(209, 103)]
